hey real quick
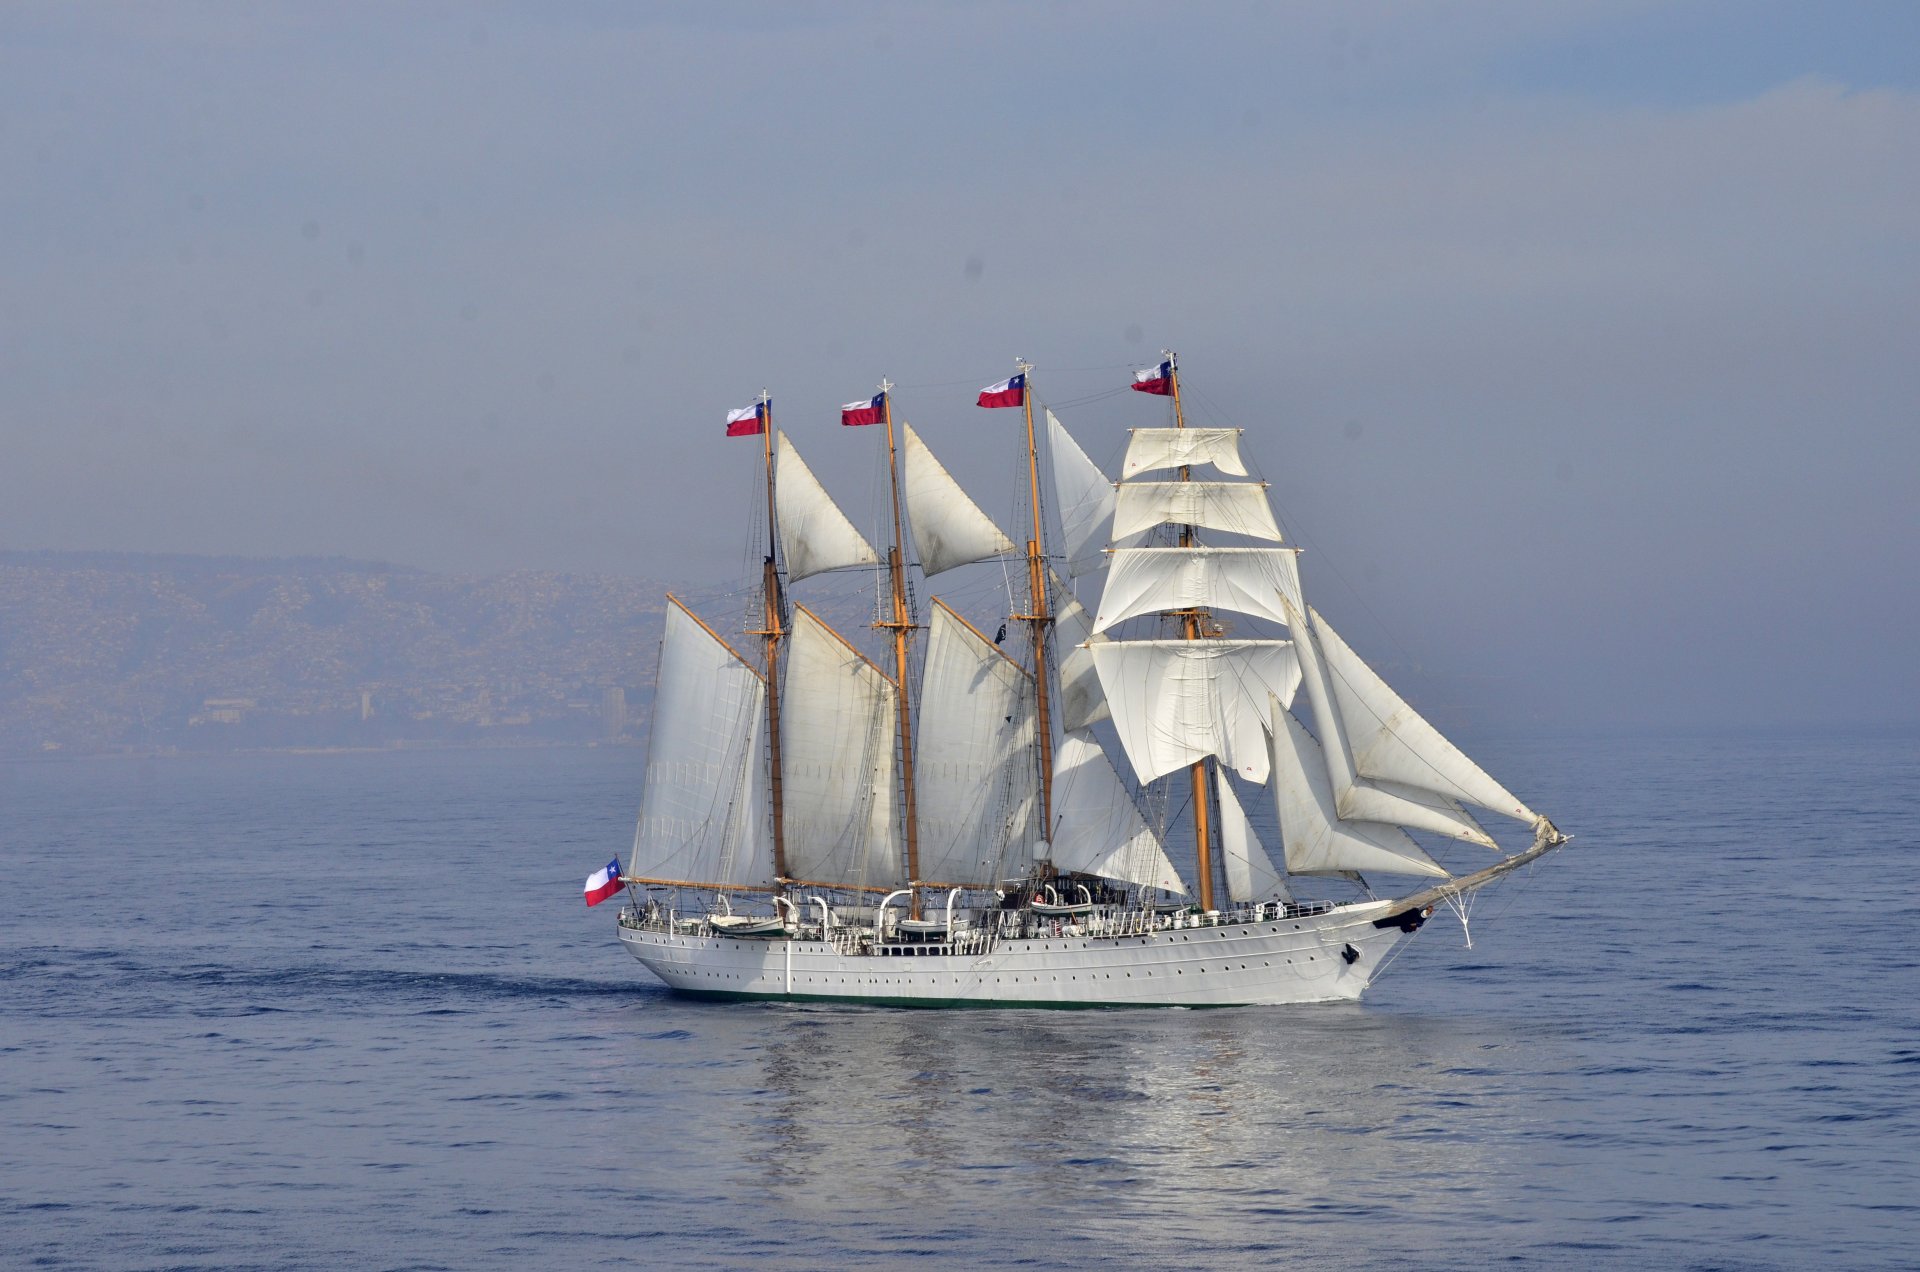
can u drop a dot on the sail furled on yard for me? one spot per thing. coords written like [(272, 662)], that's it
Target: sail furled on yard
[(704, 800), (948, 527), (1392, 742), (1080, 699), (838, 769), (1096, 829), (1358, 798), (815, 536), (1235, 507), (1151, 448), (1178, 701), (1085, 497), (1317, 839), (975, 777), (1250, 872), (1245, 580)]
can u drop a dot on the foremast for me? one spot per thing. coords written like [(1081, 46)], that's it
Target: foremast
[(1195, 625)]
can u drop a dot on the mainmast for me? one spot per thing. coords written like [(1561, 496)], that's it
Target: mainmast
[(1195, 626), (773, 629), (901, 625), (1040, 617)]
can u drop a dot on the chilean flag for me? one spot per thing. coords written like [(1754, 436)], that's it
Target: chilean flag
[(1006, 393), (748, 421), (1157, 380), (602, 884), (864, 412)]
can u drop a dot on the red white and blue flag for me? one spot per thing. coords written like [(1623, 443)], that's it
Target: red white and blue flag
[(1006, 393), (1157, 380), (603, 883), (748, 421), (870, 412)]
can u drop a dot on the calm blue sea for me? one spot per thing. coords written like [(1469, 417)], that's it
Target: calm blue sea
[(348, 1011)]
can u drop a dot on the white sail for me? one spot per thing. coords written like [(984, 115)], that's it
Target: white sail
[(1096, 828), (948, 528), (1151, 448), (1391, 741), (1357, 798), (1085, 497), (814, 534), (1177, 701), (1245, 580), (703, 812), (974, 764), (837, 715), (1080, 699), (1316, 838), (1237, 507), (1250, 872)]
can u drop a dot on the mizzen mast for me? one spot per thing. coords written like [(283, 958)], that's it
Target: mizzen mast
[(901, 625), (772, 631)]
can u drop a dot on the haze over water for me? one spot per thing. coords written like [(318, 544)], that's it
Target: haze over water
[(313, 1012)]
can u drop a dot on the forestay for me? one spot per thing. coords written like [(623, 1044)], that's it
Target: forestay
[(837, 762), (948, 527), (815, 535), (1096, 828), (1250, 872), (1246, 580), (976, 780), (703, 803), (1176, 701), (1391, 741), (1234, 507), (1151, 448), (1317, 840), (1085, 496)]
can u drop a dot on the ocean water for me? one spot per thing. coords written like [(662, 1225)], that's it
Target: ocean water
[(348, 1011)]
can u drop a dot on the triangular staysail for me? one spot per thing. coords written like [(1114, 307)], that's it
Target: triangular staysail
[(948, 527), (1317, 840), (1097, 830), (1085, 497), (1393, 742), (1250, 872), (815, 536), (1357, 798)]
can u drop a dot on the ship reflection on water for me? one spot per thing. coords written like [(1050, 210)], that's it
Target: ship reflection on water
[(1162, 1126)]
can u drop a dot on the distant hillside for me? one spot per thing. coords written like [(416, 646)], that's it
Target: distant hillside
[(112, 651)]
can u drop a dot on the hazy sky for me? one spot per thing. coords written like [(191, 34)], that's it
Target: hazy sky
[(1579, 340)]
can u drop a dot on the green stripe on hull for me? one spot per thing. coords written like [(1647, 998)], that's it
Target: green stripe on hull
[(996, 1004)]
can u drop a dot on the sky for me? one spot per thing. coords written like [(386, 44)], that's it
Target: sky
[(1578, 341)]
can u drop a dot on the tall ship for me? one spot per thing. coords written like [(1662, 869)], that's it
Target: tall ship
[(952, 819)]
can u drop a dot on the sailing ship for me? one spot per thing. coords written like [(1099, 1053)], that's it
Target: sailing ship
[(951, 826)]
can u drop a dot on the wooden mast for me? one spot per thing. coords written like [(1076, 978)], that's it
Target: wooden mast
[(773, 630), (1194, 622), (1041, 616), (901, 624)]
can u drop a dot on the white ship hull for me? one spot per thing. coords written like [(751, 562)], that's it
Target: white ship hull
[(1327, 957)]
